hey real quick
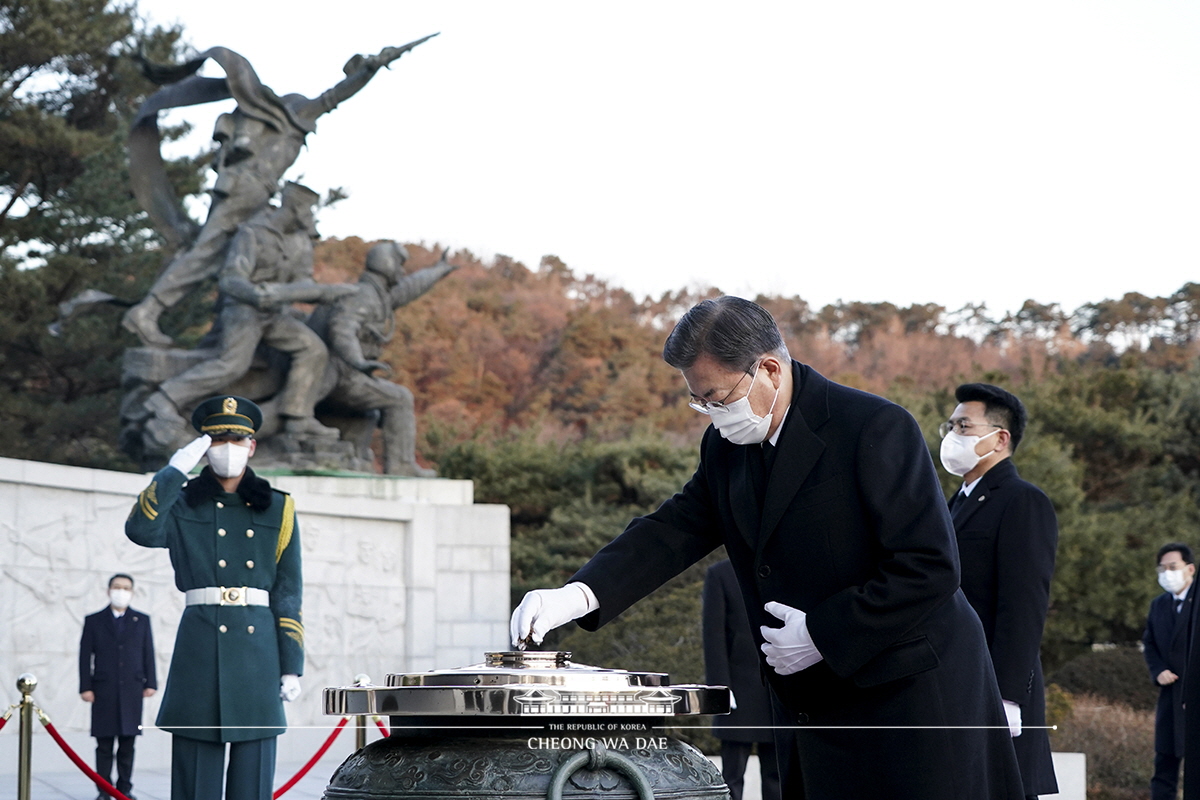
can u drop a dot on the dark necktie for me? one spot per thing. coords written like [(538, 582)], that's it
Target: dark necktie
[(768, 456), (1178, 605), (956, 501)]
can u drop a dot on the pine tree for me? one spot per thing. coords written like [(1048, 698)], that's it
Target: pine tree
[(68, 221)]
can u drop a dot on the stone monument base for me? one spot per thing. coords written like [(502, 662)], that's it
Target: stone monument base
[(150, 441)]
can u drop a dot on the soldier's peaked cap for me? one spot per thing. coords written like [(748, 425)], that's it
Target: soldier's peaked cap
[(227, 414)]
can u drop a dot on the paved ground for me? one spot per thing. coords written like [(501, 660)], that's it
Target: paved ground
[(153, 784), (148, 784)]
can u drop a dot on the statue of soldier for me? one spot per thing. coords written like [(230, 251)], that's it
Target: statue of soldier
[(356, 328), (268, 267), (258, 141)]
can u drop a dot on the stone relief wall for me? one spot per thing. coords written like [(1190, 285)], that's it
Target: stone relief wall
[(401, 575)]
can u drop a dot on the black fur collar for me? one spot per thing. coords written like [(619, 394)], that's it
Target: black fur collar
[(253, 490)]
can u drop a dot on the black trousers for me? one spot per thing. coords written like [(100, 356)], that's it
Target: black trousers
[(197, 769), (104, 760), (735, 755), (1166, 776)]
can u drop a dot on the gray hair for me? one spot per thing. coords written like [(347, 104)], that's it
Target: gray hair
[(733, 331)]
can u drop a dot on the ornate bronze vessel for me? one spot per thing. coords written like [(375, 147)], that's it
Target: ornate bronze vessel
[(527, 725)]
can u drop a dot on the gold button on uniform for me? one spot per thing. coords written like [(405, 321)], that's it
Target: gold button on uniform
[(249, 565), (222, 629), (220, 531), (221, 563), (249, 533), (249, 629)]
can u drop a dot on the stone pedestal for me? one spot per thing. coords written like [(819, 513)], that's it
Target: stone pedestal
[(150, 441)]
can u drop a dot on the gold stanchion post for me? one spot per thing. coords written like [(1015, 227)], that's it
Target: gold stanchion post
[(360, 722), (25, 685)]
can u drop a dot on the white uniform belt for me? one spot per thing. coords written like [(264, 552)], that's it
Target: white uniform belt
[(228, 596)]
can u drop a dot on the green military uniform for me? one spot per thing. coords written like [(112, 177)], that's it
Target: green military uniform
[(224, 680)]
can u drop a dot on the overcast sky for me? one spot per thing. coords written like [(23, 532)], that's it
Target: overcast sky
[(946, 152)]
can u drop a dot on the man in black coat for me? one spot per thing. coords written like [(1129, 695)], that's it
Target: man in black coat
[(116, 671), (1007, 537), (731, 659), (1166, 652), (829, 507)]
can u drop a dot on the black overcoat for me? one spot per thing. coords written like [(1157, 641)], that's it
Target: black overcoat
[(1165, 647), (1007, 538), (731, 659), (854, 531), (116, 663)]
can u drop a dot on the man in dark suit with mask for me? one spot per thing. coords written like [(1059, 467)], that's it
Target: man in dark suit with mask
[(116, 671), (1007, 536), (829, 507), (1166, 652)]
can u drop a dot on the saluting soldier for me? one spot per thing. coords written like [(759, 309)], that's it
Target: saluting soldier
[(239, 651)]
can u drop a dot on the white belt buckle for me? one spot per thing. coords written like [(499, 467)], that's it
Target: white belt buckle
[(233, 595)]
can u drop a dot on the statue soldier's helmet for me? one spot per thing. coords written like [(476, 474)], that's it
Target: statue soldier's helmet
[(388, 259), (227, 415)]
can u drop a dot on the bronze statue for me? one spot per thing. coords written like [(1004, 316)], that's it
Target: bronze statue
[(268, 267), (356, 327), (258, 141)]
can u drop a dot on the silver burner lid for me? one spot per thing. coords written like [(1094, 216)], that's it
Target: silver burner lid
[(529, 684)]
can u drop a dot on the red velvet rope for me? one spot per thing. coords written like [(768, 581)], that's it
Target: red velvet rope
[(316, 757), (382, 728), (112, 791), (101, 784)]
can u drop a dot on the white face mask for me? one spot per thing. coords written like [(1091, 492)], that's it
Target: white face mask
[(739, 424), (120, 598), (958, 452), (1172, 580), (228, 460)]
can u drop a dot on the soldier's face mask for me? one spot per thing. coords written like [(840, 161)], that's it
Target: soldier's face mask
[(228, 459)]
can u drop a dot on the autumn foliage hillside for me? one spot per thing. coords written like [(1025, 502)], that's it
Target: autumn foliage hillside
[(498, 347)]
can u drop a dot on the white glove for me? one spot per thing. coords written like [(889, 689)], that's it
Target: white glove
[(187, 457), (732, 701), (543, 610), (289, 687), (1013, 712), (789, 649)]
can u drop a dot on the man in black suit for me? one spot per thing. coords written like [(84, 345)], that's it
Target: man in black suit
[(116, 671), (1166, 652), (829, 507), (731, 659), (1007, 537)]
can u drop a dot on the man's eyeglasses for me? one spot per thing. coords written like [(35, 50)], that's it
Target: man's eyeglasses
[(961, 426), (718, 406)]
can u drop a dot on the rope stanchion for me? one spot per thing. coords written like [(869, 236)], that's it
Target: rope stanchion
[(316, 757), (101, 783), (112, 791), (382, 728)]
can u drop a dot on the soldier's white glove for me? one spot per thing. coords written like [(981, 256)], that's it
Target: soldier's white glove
[(789, 649), (187, 457), (289, 687), (543, 610), (1013, 712)]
